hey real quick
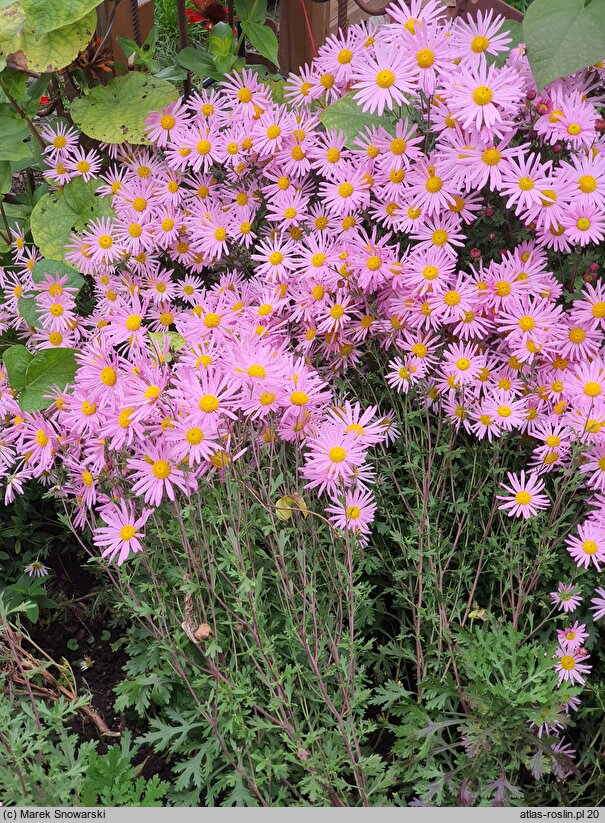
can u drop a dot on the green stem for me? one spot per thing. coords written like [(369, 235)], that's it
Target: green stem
[(7, 238), (20, 111)]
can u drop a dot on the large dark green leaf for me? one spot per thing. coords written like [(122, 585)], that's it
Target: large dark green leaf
[(263, 39), (116, 113), (59, 213), (16, 360), (54, 267), (347, 116), (563, 36), (48, 368)]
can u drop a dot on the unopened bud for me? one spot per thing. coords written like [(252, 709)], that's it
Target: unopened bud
[(202, 632)]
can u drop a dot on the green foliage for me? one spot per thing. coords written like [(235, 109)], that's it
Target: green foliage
[(116, 113), (563, 36), (59, 213), (48, 15), (34, 375), (263, 39), (28, 595), (48, 766), (30, 46), (55, 267), (345, 114)]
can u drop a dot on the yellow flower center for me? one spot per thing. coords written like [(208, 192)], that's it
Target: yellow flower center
[(526, 184), (425, 58), (523, 498), (463, 363), (592, 388), (345, 190), (212, 320), (41, 438), (527, 323), (299, 398), (344, 56), (209, 403), (337, 454), (167, 122), (161, 469), (127, 533), (483, 95), (452, 298), (491, 157), (589, 547), (124, 417), (105, 241), (139, 204), (479, 44), (587, 183), (352, 512), (133, 323), (108, 376), (598, 309), (385, 79), (194, 436), (583, 224), (433, 184)]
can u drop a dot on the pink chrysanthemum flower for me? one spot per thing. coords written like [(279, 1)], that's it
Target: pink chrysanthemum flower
[(485, 99), (567, 597), (161, 125), (156, 473), (383, 80), (355, 513), (332, 458), (589, 546), (525, 498), (572, 637), (598, 604), (570, 668), (122, 534)]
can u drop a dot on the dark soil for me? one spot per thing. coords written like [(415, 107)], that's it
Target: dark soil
[(75, 588)]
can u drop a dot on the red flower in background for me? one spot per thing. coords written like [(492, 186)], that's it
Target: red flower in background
[(209, 12)]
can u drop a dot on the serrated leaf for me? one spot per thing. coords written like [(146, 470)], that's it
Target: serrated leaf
[(347, 116), (263, 39), (48, 15), (50, 367), (116, 113), (16, 360), (28, 48), (563, 36), (55, 267)]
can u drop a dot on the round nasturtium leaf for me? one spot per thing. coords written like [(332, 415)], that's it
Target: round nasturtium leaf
[(116, 113), (48, 15), (59, 213), (39, 51)]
